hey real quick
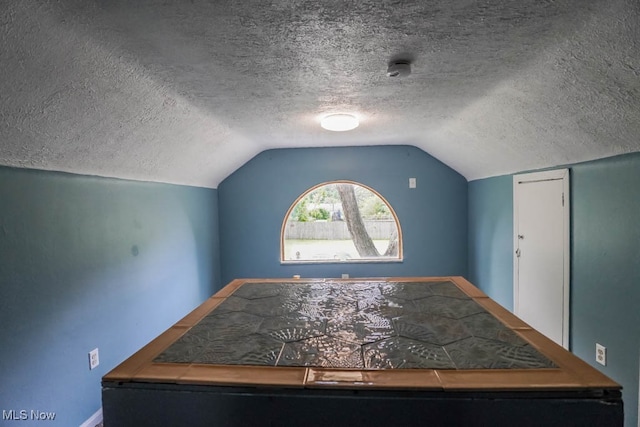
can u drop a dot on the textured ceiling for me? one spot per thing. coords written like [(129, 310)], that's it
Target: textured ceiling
[(186, 92)]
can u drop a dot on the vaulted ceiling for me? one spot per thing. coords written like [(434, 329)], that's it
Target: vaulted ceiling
[(185, 92)]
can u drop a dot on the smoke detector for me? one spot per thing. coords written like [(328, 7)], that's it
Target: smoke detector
[(399, 68)]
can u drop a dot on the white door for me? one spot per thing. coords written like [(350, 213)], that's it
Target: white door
[(541, 259)]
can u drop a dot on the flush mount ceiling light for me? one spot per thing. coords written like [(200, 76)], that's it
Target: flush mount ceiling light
[(339, 122)]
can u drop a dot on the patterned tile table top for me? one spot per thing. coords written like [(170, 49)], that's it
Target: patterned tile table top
[(358, 324)]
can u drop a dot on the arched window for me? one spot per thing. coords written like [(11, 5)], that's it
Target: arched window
[(340, 221)]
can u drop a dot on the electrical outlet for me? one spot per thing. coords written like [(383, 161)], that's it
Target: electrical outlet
[(345, 275), (412, 183), (601, 354), (94, 359)]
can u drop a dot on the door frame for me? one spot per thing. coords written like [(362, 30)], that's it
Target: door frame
[(552, 175)]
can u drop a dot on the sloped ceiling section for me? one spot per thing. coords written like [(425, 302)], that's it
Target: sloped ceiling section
[(186, 92)]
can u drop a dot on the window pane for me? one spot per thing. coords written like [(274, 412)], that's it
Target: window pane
[(341, 221)]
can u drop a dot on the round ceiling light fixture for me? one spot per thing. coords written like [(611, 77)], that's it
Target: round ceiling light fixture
[(339, 122)]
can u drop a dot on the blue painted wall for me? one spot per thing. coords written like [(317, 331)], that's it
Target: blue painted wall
[(491, 237), (605, 260), (255, 198), (90, 262)]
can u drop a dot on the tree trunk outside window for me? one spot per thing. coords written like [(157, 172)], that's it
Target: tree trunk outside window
[(361, 239), (392, 249)]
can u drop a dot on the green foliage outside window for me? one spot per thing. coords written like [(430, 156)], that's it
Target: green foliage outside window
[(299, 212), (319, 214)]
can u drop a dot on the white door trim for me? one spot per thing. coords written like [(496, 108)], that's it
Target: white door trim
[(559, 174)]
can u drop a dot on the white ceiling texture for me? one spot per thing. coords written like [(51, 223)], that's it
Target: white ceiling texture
[(186, 92)]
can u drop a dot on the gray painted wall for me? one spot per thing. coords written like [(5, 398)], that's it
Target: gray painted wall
[(90, 262), (433, 217), (605, 260)]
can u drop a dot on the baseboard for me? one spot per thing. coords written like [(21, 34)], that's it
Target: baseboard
[(93, 420)]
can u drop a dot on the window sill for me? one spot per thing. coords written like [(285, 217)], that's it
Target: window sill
[(349, 261)]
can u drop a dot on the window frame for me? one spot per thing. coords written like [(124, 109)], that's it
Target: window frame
[(400, 257)]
